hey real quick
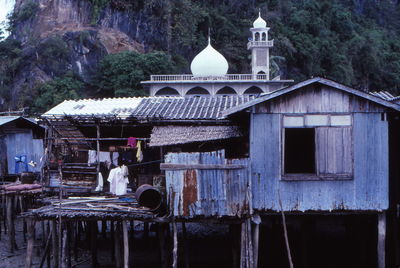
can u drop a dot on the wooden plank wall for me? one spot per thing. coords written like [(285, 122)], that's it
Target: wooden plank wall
[(318, 99), (207, 192), (23, 144), (368, 190)]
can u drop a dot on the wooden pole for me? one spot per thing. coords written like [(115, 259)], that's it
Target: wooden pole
[(93, 242), (54, 242), (175, 249), (112, 240), (185, 246), (46, 251), (117, 241), (30, 242), (381, 240), (162, 239), (126, 244), (64, 253), (256, 236), (10, 223)]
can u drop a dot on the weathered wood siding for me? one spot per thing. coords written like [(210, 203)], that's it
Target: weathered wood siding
[(207, 192), (23, 144), (368, 190), (318, 99)]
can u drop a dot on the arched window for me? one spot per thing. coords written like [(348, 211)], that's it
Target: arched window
[(253, 90), (226, 91), (264, 37), (257, 36), (167, 91), (198, 91)]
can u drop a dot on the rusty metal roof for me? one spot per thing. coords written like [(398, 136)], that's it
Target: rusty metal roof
[(152, 108)]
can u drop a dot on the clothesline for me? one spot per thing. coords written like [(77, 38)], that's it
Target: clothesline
[(146, 163)]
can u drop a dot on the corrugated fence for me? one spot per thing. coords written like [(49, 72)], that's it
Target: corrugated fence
[(207, 184)]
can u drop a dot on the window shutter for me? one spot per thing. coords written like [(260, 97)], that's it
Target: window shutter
[(334, 151)]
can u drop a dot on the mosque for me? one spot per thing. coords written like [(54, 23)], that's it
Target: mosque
[(210, 72)]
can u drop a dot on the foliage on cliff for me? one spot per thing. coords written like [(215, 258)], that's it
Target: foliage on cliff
[(354, 42)]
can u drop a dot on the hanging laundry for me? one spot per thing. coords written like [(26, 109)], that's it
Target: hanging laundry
[(100, 183), (104, 157), (126, 157), (118, 179), (92, 157), (139, 153), (132, 142), (115, 156)]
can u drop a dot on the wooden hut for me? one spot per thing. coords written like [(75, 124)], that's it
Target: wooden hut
[(321, 147), (21, 141)]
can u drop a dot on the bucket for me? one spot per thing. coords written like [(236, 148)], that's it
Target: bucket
[(149, 196)]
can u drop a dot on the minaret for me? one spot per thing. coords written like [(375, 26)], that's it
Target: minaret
[(259, 46)]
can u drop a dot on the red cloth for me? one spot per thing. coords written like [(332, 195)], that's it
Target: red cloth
[(132, 142)]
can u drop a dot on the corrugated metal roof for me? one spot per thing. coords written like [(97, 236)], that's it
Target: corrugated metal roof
[(163, 108), (383, 95), (7, 119)]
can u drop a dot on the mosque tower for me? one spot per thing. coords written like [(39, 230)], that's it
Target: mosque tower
[(259, 46)]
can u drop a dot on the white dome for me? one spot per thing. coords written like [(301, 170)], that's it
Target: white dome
[(259, 22), (209, 62)]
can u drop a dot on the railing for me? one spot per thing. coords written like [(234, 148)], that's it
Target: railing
[(251, 44), (227, 77)]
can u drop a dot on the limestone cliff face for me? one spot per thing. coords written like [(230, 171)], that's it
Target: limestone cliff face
[(82, 34)]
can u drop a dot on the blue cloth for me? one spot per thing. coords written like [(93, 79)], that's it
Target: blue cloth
[(21, 164)]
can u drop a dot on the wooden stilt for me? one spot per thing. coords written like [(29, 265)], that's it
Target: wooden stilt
[(64, 252), (117, 240), (93, 242), (30, 243), (256, 234), (76, 228), (112, 240), (381, 240), (69, 237), (185, 246), (126, 244), (162, 239), (10, 223), (175, 249), (48, 259), (46, 251), (104, 229), (54, 242)]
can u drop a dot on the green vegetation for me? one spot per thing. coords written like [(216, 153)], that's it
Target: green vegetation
[(26, 12), (53, 92), (120, 74), (353, 42)]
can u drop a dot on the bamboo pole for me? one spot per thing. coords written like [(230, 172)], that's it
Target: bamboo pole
[(185, 246)]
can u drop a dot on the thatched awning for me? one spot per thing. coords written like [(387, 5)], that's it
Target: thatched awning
[(170, 135)]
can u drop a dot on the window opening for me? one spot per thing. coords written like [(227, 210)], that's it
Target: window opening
[(299, 150)]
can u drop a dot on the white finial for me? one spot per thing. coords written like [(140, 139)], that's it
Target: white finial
[(259, 22), (209, 36)]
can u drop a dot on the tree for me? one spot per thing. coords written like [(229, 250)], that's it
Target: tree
[(120, 74), (54, 92)]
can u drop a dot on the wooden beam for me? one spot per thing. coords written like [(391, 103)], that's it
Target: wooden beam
[(168, 166)]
